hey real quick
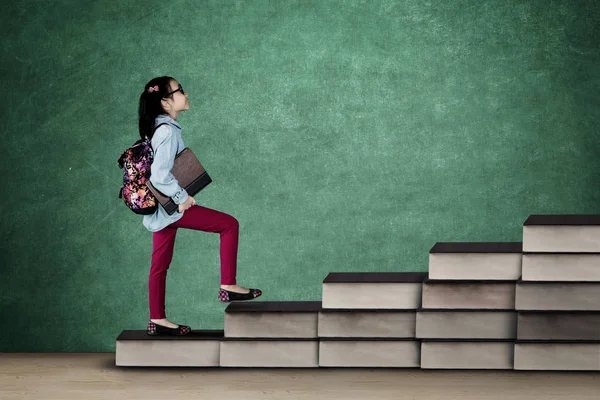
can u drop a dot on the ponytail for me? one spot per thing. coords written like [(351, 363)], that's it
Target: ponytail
[(150, 104)]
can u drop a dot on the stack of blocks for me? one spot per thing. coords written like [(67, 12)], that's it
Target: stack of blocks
[(468, 318), (271, 334), (368, 319), (558, 296), (531, 305)]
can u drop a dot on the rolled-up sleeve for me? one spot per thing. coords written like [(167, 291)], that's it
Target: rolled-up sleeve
[(165, 150)]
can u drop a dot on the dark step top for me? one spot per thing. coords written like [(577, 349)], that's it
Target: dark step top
[(449, 310), (375, 277), (555, 341), (469, 281), (568, 253), (194, 335), (445, 340), (561, 312), (203, 335), (477, 247), (271, 339), (566, 219), (522, 282), (368, 339), (369, 310), (274, 306)]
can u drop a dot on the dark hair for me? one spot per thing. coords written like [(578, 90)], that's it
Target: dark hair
[(150, 104)]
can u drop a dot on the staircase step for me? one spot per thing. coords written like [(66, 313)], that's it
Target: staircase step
[(562, 233), (559, 325), (267, 319), (561, 267), (273, 307), (541, 295), (367, 290), (466, 324), (557, 356), (198, 349), (374, 323), (271, 352), (375, 277), (369, 352), (448, 294), (467, 354), (475, 261)]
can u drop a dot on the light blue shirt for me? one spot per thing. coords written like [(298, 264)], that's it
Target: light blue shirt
[(166, 143)]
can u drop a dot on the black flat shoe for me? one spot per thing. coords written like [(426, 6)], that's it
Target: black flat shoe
[(225, 296), (156, 330)]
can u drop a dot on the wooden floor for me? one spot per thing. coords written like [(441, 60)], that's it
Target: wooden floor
[(93, 376)]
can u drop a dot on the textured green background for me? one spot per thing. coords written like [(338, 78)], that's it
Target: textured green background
[(343, 135)]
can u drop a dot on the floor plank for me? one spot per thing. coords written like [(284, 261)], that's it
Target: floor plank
[(94, 376)]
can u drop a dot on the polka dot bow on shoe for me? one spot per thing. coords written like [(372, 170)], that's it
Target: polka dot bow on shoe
[(225, 296)]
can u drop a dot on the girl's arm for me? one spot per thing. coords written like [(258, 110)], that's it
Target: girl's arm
[(164, 144)]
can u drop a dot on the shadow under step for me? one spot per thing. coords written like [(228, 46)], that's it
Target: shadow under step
[(558, 325), (475, 261), (369, 290), (466, 324), (367, 323), (562, 233), (542, 295), (468, 294)]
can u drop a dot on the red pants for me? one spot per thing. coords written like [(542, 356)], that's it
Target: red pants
[(197, 218)]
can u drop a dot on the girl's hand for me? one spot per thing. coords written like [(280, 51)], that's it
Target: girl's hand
[(187, 204)]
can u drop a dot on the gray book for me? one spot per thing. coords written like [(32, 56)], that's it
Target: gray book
[(191, 176)]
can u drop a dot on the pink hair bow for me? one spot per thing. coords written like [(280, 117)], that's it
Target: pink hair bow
[(153, 89)]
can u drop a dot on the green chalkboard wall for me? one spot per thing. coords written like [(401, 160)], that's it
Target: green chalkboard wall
[(343, 136)]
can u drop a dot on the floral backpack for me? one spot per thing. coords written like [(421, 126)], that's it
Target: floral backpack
[(136, 162)]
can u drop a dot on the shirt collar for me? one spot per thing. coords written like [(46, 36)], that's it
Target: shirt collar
[(165, 118)]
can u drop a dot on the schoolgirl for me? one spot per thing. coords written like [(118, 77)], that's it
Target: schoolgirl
[(161, 102)]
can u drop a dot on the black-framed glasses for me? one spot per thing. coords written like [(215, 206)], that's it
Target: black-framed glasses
[(176, 90)]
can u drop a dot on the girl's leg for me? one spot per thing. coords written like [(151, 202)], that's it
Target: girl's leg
[(163, 242), (208, 220)]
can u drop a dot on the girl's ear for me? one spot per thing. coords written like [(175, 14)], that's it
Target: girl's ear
[(165, 104)]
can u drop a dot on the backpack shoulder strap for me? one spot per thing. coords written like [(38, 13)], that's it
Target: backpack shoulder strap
[(155, 128), (159, 125)]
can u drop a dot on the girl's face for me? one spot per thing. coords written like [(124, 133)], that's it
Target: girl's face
[(178, 101)]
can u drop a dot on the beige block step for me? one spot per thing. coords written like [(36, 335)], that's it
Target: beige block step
[(365, 352), (375, 323), (540, 295), (279, 319), (557, 356), (272, 352), (468, 294), (562, 267), (368, 290), (197, 349), (466, 324), (475, 261), (466, 354), (562, 233)]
